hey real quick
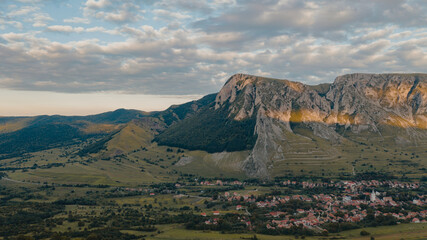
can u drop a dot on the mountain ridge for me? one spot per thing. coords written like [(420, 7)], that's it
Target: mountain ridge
[(262, 127), (282, 106)]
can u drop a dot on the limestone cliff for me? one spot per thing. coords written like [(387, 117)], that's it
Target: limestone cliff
[(392, 106), (357, 102)]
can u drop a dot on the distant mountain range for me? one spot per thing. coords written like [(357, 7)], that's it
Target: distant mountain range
[(257, 126)]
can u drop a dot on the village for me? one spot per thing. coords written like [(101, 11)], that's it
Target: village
[(314, 206), (351, 202)]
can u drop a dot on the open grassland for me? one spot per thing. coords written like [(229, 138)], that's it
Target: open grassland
[(398, 232), (316, 157), (403, 231)]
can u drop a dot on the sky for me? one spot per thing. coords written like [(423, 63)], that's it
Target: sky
[(88, 56)]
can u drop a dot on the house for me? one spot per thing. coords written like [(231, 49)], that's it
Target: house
[(270, 227), (387, 199), (346, 199), (238, 207), (203, 214), (276, 214), (215, 213), (373, 196)]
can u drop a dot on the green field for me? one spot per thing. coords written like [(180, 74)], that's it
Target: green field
[(400, 232)]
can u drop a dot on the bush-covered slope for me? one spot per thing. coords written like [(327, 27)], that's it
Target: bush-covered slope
[(176, 113), (210, 130), (28, 134), (40, 137)]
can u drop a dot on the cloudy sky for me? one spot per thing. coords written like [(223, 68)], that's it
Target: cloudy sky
[(88, 56)]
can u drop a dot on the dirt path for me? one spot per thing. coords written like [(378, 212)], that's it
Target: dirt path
[(17, 181)]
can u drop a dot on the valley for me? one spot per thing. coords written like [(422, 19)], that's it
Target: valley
[(269, 146)]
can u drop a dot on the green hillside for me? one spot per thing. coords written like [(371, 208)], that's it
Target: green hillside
[(20, 135), (176, 113), (212, 131), (36, 138)]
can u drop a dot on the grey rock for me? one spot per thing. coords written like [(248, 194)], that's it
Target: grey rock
[(356, 102)]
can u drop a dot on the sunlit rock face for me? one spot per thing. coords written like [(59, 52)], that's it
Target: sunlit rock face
[(394, 99), (356, 102), (354, 99)]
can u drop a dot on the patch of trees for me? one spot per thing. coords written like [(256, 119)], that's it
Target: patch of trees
[(104, 233), (76, 201), (211, 130), (22, 218), (39, 137), (373, 176), (177, 113), (294, 230)]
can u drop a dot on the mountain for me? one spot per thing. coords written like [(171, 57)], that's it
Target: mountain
[(254, 127), (271, 117)]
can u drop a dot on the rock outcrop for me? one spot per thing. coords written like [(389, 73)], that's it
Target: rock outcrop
[(355, 102)]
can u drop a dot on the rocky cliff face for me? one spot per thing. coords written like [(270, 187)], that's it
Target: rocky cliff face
[(372, 103), (354, 99), (372, 99)]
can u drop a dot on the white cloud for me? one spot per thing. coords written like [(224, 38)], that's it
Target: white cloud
[(169, 14), (227, 3), (199, 44), (117, 11), (119, 16), (187, 5), (320, 18), (77, 20), (4, 23), (374, 34), (64, 28), (6, 82), (41, 19), (29, 1), (97, 4), (23, 11)]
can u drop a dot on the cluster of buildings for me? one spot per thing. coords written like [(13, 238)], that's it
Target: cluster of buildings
[(329, 209), (221, 183), (337, 184), (348, 204), (354, 185)]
